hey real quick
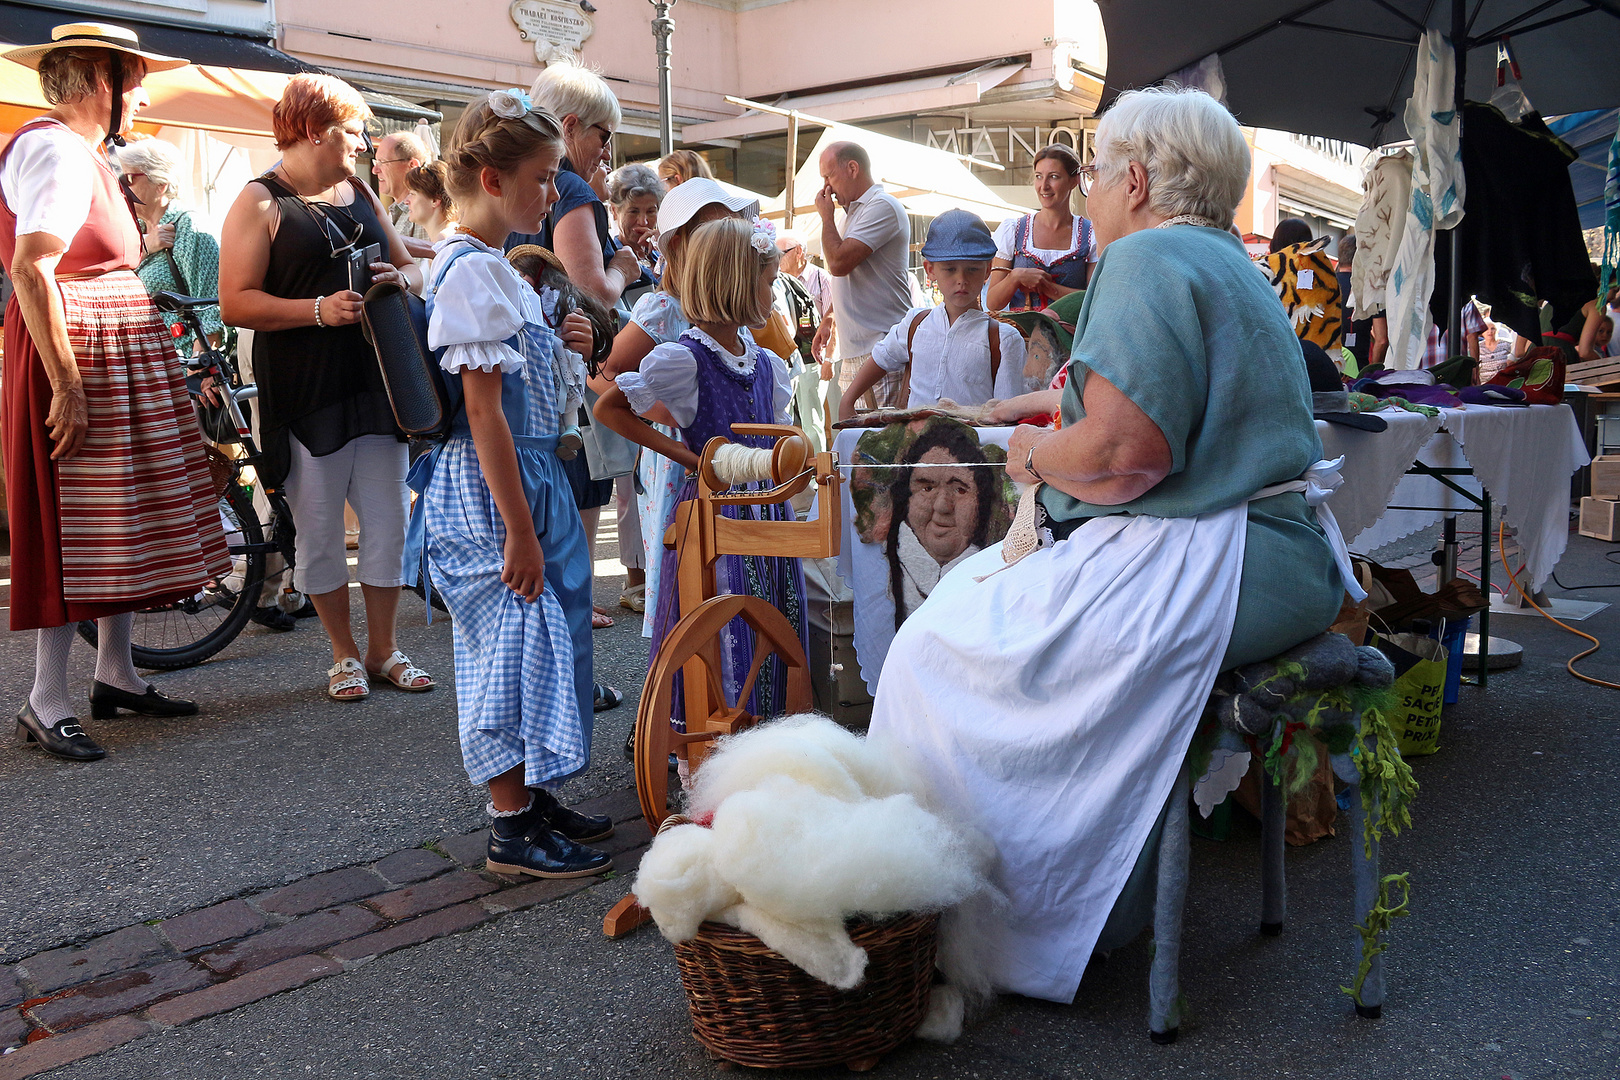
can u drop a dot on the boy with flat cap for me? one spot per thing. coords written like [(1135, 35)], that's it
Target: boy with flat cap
[(954, 350)]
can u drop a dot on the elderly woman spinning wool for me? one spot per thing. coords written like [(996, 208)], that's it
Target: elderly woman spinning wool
[(1050, 700)]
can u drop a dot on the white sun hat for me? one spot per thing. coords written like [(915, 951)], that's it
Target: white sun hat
[(683, 203)]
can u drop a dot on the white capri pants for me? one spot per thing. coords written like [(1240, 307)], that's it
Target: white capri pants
[(369, 474), (632, 545)]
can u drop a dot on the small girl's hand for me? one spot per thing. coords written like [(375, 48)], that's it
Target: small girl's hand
[(524, 569), (576, 334)]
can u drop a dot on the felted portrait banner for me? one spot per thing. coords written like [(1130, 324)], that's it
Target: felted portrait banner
[(920, 499)]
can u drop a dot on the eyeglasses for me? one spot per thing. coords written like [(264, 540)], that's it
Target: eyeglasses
[(389, 161), (1087, 176), (605, 131), (132, 175)]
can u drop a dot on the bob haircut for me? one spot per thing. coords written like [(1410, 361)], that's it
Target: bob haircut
[(569, 88), (483, 139), (312, 104), (719, 276), (159, 160), (429, 180), (1195, 155), (632, 182)]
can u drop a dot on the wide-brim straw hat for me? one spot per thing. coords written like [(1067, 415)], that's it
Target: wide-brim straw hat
[(93, 36)]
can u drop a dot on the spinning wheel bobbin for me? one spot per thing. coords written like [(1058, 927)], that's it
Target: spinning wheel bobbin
[(702, 534)]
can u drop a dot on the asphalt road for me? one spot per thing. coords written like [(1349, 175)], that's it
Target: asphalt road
[(1505, 968)]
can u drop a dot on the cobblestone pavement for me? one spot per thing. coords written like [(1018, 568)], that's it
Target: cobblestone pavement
[(291, 887)]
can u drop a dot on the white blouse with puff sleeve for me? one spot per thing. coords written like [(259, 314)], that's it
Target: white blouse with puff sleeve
[(479, 304), (669, 375)]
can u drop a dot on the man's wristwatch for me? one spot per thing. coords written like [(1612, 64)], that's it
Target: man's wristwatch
[(1029, 464)]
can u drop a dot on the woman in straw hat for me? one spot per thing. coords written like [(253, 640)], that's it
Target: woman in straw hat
[(111, 506)]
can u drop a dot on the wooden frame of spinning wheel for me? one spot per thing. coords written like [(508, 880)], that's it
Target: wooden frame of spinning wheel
[(701, 534)]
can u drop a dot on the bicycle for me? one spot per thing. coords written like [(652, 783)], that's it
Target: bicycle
[(190, 631)]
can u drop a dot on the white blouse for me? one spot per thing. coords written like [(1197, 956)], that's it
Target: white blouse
[(480, 303), (669, 375), (1006, 237), (48, 181)]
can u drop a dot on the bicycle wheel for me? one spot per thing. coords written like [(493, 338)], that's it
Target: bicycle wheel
[(191, 630)]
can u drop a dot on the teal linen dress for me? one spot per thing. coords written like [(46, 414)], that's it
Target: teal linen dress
[(1180, 321)]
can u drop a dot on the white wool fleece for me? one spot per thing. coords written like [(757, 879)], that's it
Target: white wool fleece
[(810, 749)]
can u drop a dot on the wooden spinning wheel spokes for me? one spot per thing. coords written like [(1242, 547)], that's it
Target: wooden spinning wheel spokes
[(693, 647)]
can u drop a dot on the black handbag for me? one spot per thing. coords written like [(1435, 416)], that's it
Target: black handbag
[(395, 322)]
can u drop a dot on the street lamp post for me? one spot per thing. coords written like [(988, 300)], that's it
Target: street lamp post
[(663, 28)]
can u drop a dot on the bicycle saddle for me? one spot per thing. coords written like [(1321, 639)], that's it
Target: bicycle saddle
[(168, 301)]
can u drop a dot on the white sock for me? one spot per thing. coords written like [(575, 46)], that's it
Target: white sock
[(49, 697), (113, 663)]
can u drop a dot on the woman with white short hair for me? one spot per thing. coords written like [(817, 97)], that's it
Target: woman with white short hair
[(176, 255), (1051, 702)]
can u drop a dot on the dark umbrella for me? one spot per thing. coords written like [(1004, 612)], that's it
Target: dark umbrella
[(1343, 69)]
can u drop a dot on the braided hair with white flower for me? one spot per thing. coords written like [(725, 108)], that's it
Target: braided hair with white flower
[(498, 133)]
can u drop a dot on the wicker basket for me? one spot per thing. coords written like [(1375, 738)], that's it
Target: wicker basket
[(220, 470), (751, 1006)]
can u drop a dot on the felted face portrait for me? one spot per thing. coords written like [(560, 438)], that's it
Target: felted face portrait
[(929, 495)]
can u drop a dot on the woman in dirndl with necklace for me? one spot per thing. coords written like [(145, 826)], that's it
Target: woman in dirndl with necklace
[(112, 508), (1049, 254)]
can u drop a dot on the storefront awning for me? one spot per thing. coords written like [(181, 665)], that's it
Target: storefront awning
[(931, 93)]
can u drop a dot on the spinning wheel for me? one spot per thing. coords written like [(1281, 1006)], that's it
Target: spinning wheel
[(702, 534), (693, 647)]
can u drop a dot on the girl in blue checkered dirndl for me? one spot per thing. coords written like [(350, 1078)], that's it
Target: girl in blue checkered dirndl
[(503, 541)]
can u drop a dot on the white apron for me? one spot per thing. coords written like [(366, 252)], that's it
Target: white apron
[(1050, 705)]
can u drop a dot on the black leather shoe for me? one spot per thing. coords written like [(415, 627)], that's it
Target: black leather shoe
[(64, 739), (541, 853), (105, 701), (273, 618), (575, 826)]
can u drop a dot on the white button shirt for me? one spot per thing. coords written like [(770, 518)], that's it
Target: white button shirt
[(952, 360)]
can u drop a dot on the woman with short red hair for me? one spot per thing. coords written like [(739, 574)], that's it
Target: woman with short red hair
[(293, 269)]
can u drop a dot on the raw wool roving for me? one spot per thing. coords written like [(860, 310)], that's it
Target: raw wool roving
[(808, 827)]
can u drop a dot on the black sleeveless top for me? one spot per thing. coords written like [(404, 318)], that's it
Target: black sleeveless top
[(320, 384)]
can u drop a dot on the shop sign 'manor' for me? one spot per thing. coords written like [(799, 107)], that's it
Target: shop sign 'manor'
[(555, 26)]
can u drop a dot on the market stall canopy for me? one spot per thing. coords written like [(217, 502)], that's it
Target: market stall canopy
[(1590, 135), (926, 180), (1343, 68), (930, 93), (206, 98)]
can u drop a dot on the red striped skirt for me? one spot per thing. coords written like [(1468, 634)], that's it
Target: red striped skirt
[(132, 519)]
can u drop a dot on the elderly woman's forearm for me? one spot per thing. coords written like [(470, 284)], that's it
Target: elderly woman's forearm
[(41, 304)]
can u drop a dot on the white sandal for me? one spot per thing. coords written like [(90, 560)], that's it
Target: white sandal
[(407, 678), (354, 678)]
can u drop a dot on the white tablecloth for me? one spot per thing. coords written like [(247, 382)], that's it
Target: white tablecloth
[(1523, 457)]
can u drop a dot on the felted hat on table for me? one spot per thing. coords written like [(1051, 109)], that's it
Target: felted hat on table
[(683, 203), (1330, 400), (94, 36), (958, 236)]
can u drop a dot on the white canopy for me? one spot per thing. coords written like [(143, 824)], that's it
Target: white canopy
[(927, 181)]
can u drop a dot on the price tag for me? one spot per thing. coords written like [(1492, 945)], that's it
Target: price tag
[(1307, 280)]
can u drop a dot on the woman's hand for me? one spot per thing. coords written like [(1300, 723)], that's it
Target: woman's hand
[(387, 272), (1032, 279), (67, 421), (625, 262), (524, 566), (212, 390), (158, 239), (576, 333), (342, 308), (1014, 409), (1023, 437)]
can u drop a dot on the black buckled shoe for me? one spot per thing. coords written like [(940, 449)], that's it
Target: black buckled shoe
[(575, 826), (64, 739), (105, 701), (541, 853)]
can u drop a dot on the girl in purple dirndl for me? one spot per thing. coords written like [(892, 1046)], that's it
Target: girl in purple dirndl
[(713, 377)]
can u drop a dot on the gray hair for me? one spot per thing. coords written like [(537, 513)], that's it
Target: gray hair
[(632, 182), (159, 160), (568, 88), (1195, 155)]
